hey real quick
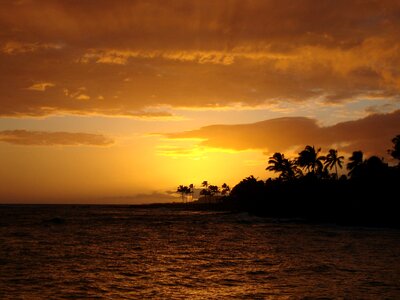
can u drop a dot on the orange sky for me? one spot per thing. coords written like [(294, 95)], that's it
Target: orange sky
[(121, 101)]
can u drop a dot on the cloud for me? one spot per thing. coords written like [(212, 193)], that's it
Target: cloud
[(42, 86), (371, 134), (121, 57), (152, 115), (16, 47), (82, 97), (196, 54), (45, 138)]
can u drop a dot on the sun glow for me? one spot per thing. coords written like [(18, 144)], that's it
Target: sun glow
[(163, 94)]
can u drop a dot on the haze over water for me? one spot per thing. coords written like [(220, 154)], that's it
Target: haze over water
[(120, 252)]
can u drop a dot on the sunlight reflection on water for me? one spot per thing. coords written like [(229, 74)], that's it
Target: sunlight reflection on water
[(124, 252)]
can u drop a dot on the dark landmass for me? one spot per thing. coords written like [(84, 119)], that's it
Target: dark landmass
[(347, 213), (309, 188), (344, 202)]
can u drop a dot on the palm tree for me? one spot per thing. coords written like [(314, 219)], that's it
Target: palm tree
[(291, 171), (333, 160), (191, 190), (355, 163), (182, 190), (205, 183), (187, 191), (287, 168), (276, 162), (308, 159), (214, 190), (205, 192), (225, 189)]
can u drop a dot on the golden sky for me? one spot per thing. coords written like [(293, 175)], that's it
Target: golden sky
[(121, 101)]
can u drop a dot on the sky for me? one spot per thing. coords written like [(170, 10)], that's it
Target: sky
[(122, 101)]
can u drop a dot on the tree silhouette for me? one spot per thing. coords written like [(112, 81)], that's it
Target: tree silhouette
[(355, 164), (374, 167), (368, 200), (332, 160), (191, 190), (395, 152), (209, 190), (214, 190), (225, 189), (205, 192), (309, 160), (276, 162), (184, 191), (248, 190), (287, 168)]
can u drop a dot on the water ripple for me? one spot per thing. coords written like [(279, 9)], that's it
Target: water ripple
[(119, 252)]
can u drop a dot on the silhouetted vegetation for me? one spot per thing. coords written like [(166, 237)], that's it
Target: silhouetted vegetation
[(185, 191), (309, 187), (210, 193), (395, 152)]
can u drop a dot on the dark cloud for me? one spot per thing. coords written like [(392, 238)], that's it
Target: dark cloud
[(372, 134), (44, 138), (210, 24), (193, 53)]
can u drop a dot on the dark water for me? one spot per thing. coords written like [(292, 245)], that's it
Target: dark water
[(129, 253)]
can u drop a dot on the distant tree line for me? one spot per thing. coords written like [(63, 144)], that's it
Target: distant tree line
[(185, 192), (208, 191)]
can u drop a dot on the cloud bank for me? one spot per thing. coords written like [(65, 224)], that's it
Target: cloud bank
[(372, 134), (194, 54)]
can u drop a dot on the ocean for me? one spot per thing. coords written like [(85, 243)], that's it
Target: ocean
[(127, 252)]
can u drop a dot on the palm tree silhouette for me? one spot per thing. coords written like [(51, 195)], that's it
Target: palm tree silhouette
[(287, 168), (355, 163), (214, 190), (187, 191), (308, 159), (206, 190), (225, 189), (276, 162), (333, 160), (291, 170), (191, 190), (182, 190)]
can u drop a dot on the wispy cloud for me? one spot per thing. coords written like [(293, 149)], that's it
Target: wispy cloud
[(82, 97), (121, 57), (41, 86), (16, 47), (46, 138)]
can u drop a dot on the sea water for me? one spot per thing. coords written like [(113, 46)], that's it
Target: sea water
[(122, 252)]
